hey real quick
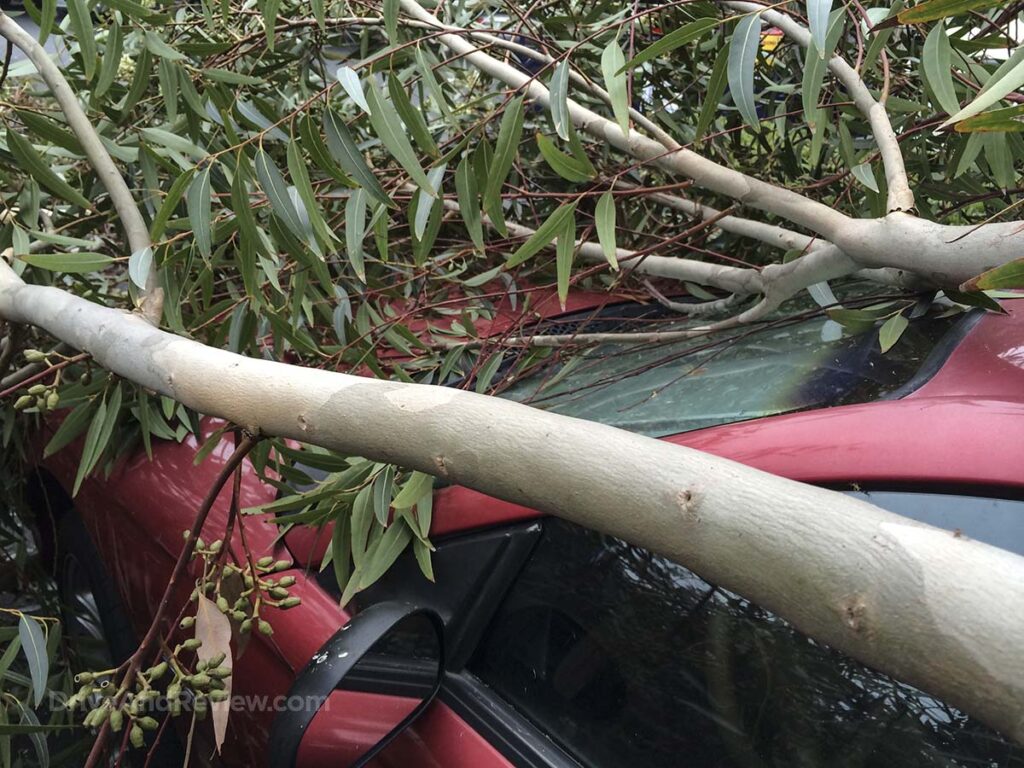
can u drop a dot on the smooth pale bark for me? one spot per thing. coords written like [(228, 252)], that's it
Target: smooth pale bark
[(777, 283), (769, 234), (928, 607), (944, 254)]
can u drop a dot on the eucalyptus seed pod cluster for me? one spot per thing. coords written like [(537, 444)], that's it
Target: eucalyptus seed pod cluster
[(197, 688), (44, 398), (240, 591), (131, 711)]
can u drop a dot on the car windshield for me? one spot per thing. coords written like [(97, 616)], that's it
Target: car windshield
[(659, 389)]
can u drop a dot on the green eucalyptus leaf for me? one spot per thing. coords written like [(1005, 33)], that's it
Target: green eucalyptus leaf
[(80, 22), (1006, 79), (344, 150), (388, 127), (674, 39), (891, 331), (418, 484), (33, 645), (68, 263), (509, 134), (111, 60), (276, 190), (199, 202), (613, 62), (469, 201), (32, 162), (559, 88), (565, 248), (604, 219), (355, 231), (1009, 275), (566, 166), (139, 265), (349, 81), (717, 82), (933, 10), (552, 227), (937, 61), (818, 22), (743, 50), (159, 47)]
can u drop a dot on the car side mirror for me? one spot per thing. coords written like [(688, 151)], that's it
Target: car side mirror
[(382, 668)]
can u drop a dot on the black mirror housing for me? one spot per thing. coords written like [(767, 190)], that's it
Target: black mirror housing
[(388, 662)]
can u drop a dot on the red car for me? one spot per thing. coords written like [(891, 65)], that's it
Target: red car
[(562, 646)]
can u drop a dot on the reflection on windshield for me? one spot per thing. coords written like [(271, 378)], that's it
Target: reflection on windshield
[(663, 389)]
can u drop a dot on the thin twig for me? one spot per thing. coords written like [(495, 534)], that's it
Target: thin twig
[(692, 308), (34, 372)]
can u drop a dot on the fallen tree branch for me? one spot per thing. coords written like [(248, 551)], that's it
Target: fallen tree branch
[(638, 117), (942, 254), (555, 340), (733, 279), (777, 282), (136, 231), (921, 604), (769, 234), (745, 189)]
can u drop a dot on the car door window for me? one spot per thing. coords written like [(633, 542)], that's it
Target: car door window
[(628, 659)]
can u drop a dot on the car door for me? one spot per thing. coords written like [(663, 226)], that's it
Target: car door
[(573, 648)]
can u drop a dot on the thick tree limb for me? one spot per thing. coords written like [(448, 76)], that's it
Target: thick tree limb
[(942, 254), (128, 212), (900, 196), (919, 603)]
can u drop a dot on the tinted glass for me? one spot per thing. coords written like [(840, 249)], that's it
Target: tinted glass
[(627, 659), (659, 389)]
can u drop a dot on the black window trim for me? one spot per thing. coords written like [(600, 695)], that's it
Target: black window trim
[(518, 739), (937, 358)]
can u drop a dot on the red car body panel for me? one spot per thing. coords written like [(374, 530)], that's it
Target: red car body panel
[(440, 738), (953, 430)]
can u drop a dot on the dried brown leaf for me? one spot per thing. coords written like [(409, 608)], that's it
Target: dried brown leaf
[(213, 630)]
